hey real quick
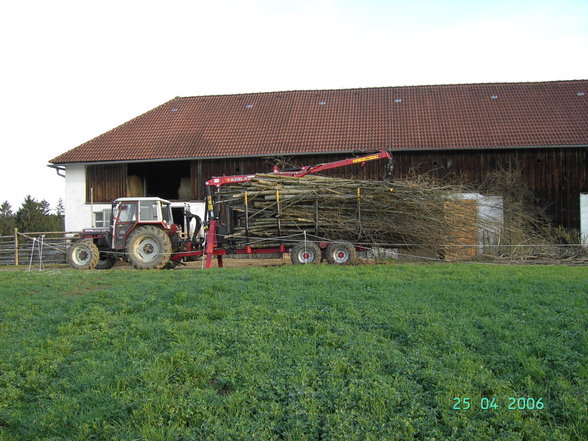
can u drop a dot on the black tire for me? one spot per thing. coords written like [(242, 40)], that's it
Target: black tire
[(305, 252), (171, 264), (340, 253), (83, 255), (105, 262), (148, 247)]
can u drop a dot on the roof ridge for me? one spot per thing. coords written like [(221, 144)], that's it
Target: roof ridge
[(508, 83), (444, 116)]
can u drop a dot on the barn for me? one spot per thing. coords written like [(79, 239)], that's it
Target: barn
[(448, 131)]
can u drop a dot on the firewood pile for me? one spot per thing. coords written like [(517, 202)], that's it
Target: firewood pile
[(392, 213), (418, 213)]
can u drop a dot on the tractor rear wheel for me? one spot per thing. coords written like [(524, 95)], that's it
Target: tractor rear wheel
[(83, 254), (340, 253), (148, 247), (306, 252)]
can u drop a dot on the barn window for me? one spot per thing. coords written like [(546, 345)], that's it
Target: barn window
[(102, 218), (99, 219)]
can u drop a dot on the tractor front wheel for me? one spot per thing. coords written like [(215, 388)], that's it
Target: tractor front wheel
[(148, 247), (83, 254)]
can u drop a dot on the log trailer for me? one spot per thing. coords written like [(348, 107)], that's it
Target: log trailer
[(143, 232)]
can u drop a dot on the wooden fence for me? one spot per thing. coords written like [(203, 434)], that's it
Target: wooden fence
[(26, 248)]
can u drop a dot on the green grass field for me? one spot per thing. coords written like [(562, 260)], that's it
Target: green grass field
[(296, 353)]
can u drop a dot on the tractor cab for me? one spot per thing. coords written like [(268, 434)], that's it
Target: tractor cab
[(127, 213)]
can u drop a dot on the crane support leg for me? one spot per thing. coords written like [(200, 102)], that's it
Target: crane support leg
[(210, 242)]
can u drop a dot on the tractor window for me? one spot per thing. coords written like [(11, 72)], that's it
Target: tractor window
[(148, 210), (166, 213), (127, 213)]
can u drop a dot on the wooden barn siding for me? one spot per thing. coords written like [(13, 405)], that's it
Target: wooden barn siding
[(556, 176), (107, 181)]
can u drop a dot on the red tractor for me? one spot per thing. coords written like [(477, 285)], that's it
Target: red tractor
[(142, 231)]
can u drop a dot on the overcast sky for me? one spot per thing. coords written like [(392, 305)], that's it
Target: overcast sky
[(71, 70)]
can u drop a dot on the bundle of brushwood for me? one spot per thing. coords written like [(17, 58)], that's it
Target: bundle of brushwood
[(376, 212)]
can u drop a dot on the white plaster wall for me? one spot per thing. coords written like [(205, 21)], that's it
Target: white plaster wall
[(584, 217), (78, 214)]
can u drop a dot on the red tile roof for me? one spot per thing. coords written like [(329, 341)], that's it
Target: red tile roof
[(465, 116)]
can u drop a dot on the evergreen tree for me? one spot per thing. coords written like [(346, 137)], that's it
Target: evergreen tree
[(60, 209), (45, 208), (60, 215), (7, 219), (34, 216)]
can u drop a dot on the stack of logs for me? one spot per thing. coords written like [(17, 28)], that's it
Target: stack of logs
[(376, 212)]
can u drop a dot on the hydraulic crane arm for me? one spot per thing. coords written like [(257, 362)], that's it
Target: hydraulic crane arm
[(302, 171)]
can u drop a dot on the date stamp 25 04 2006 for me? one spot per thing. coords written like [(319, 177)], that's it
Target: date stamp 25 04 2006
[(514, 403)]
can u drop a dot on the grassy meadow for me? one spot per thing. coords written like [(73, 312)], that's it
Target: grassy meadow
[(386, 352)]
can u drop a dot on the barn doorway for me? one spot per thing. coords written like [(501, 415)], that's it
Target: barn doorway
[(168, 180)]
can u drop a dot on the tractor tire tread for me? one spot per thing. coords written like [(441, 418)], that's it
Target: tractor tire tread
[(95, 255), (157, 234)]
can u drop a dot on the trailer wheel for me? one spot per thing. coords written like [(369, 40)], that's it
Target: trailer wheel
[(340, 253), (306, 252), (148, 247), (83, 254)]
